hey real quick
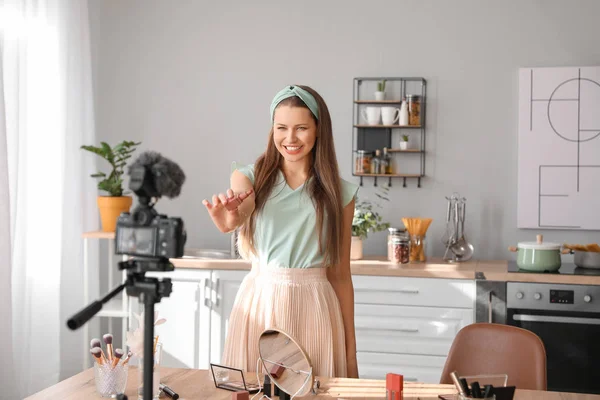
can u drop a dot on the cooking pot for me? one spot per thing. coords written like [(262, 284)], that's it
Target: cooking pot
[(538, 256), (586, 259)]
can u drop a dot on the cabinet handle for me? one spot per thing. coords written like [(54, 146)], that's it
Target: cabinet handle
[(214, 293), (410, 291), (409, 329), (409, 379), (207, 292), (491, 294)]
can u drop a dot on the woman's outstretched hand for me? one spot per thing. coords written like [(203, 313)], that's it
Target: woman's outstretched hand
[(224, 209)]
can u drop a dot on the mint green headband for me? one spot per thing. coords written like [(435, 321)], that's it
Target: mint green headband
[(290, 91)]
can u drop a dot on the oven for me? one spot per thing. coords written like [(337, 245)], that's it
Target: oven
[(567, 319)]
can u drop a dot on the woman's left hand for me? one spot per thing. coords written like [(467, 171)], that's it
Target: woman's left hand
[(352, 366)]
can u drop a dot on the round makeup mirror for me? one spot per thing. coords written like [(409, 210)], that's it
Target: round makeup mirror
[(286, 362)]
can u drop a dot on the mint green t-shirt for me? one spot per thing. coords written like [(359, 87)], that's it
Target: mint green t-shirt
[(286, 229)]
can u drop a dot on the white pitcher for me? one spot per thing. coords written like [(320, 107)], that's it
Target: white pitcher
[(390, 115)]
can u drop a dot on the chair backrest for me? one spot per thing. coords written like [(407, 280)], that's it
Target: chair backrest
[(484, 348)]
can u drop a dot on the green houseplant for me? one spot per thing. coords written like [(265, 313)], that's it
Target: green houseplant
[(113, 204), (404, 142), (366, 220), (380, 93)]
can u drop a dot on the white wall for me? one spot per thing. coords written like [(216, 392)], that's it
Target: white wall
[(194, 80)]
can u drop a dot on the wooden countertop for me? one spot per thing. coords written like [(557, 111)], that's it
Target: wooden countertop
[(198, 384), (492, 270)]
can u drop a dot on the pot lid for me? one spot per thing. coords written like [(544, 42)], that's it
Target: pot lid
[(539, 244)]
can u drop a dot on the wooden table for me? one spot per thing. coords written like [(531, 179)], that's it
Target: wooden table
[(198, 384)]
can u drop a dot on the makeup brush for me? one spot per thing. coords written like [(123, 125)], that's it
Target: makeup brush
[(97, 344), (109, 348), (97, 353), (126, 360), (117, 357)]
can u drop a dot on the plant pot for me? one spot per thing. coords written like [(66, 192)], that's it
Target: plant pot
[(538, 256), (356, 248), (110, 208), (379, 96), (403, 145)]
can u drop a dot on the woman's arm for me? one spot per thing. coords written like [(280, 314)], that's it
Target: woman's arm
[(340, 278), (241, 185)]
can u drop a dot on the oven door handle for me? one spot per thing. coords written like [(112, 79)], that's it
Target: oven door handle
[(555, 319)]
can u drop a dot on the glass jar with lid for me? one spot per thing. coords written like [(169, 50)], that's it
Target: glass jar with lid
[(363, 162), (392, 234), (414, 109), (400, 250)]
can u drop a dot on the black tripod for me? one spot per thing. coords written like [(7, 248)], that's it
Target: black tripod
[(150, 291)]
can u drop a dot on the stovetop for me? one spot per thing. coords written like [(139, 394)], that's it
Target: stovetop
[(565, 269)]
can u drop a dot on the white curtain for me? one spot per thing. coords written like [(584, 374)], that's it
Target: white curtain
[(46, 115)]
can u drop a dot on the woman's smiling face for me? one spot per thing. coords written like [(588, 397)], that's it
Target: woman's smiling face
[(294, 132)]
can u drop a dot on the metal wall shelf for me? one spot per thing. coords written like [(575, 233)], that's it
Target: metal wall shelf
[(389, 126), (376, 137)]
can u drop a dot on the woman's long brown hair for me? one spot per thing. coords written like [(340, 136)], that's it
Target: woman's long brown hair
[(324, 189)]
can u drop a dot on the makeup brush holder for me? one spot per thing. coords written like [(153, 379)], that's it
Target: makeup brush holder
[(109, 380)]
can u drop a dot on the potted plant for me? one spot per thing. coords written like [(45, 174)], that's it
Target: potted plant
[(113, 204), (404, 142), (365, 220), (380, 93)]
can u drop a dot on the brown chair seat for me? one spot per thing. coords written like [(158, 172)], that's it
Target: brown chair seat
[(484, 348)]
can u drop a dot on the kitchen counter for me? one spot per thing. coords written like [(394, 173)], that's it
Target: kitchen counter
[(492, 270), (198, 384)]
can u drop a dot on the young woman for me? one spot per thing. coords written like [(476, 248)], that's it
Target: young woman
[(295, 218)]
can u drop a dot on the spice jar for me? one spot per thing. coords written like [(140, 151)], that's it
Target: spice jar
[(414, 109), (393, 233), (363, 162), (404, 250), (396, 250)]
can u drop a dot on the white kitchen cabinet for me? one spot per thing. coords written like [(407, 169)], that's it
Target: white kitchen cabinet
[(197, 312), (225, 287), (403, 325), (407, 325), (185, 335)]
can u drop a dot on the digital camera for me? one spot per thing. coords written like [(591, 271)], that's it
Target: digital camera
[(157, 237)]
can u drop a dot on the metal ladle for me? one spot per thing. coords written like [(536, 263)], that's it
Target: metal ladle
[(462, 249)]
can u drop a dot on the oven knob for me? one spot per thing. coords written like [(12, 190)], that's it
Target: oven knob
[(537, 296), (587, 298), (519, 295)]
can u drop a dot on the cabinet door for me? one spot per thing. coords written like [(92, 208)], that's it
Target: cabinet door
[(423, 292), (414, 368), (185, 335), (224, 288), (408, 330)]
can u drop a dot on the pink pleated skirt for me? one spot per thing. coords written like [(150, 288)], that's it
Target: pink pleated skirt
[(300, 302)]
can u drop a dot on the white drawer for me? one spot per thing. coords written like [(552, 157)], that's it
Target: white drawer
[(407, 329), (426, 369), (453, 293)]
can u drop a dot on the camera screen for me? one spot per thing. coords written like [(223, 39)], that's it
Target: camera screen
[(136, 241)]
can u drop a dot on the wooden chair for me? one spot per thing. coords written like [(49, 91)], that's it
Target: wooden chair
[(484, 348)]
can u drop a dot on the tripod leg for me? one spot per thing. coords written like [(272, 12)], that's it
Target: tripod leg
[(148, 345)]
